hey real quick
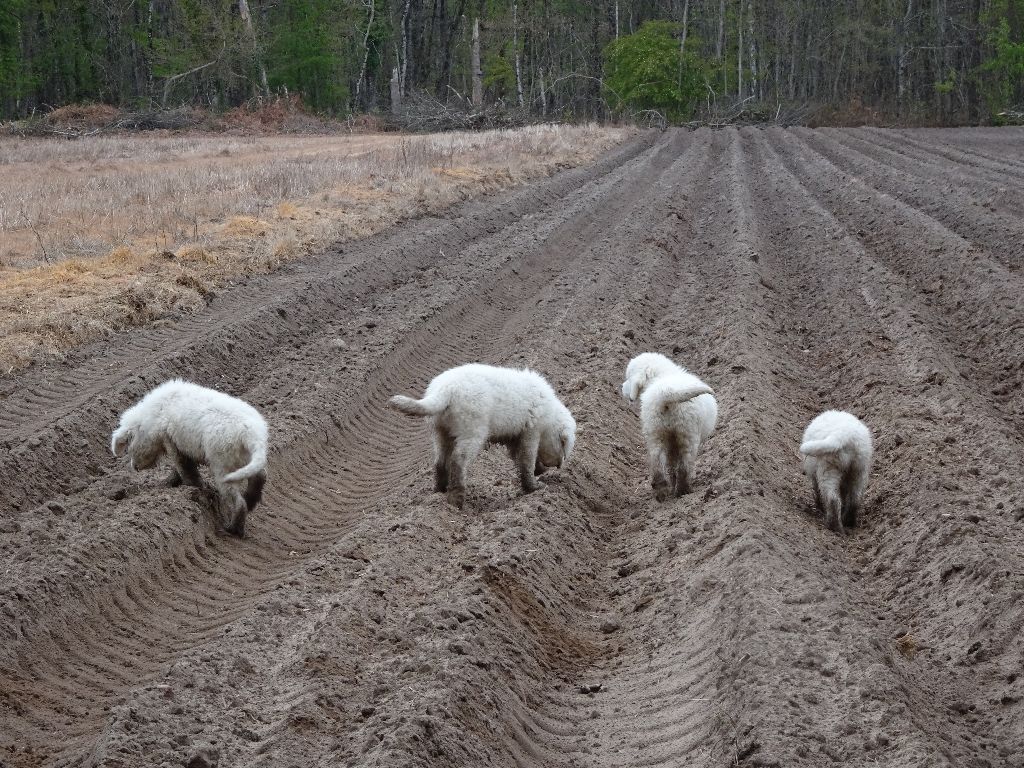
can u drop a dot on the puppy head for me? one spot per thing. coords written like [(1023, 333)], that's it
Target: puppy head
[(143, 450), (556, 444), (145, 453), (567, 441), (121, 439), (641, 370), (631, 389)]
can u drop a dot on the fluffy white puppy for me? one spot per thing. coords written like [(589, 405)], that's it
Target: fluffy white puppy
[(837, 454), (193, 425), (678, 412), (473, 405)]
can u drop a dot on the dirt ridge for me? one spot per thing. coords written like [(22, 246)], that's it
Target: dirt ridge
[(364, 622)]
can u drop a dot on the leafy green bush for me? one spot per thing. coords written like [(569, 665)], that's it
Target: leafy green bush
[(647, 71), (1004, 70), (499, 76)]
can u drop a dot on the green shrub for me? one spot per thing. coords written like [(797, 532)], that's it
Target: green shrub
[(647, 71)]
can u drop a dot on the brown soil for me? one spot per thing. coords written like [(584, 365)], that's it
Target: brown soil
[(362, 621)]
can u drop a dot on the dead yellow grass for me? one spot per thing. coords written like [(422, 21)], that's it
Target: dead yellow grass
[(110, 232)]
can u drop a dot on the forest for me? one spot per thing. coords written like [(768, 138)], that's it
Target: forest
[(905, 61)]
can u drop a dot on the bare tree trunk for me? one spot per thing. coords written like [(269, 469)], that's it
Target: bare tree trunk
[(973, 60), (372, 7), (478, 83), (839, 72), (616, 19), (403, 75), (792, 64), (515, 47), (755, 82), (448, 25), (243, 11), (396, 91), (777, 80), (739, 54), (149, 51), (901, 63), (682, 40), (543, 95), (938, 65), (805, 85), (720, 45)]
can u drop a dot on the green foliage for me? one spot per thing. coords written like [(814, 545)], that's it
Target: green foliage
[(949, 84), (1003, 70), (499, 76), (193, 42), (305, 57), (14, 77), (647, 71)]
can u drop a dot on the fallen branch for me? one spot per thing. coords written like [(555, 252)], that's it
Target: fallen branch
[(424, 113), (46, 256), (174, 78)]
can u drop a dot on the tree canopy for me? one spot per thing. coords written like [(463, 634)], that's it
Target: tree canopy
[(914, 60)]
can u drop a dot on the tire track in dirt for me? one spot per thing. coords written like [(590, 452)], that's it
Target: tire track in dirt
[(570, 728), (48, 404), (419, 358), (664, 700), (365, 622), (532, 329), (424, 341)]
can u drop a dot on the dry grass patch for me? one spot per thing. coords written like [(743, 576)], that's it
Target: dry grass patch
[(109, 232)]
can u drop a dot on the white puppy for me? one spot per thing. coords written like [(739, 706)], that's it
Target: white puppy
[(678, 412), (837, 457), (194, 425), (473, 405)]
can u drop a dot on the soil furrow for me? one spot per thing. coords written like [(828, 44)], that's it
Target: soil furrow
[(377, 388), (855, 301), (973, 218), (1001, 177), (954, 289), (363, 621)]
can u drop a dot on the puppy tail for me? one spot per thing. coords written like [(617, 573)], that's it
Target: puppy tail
[(257, 463), (823, 447), (685, 395), (426, 407)]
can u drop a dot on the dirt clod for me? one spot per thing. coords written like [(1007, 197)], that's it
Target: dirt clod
[(204, 757), (610, 626)]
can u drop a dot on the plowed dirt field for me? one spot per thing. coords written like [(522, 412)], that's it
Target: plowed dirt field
[(363, 621)]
